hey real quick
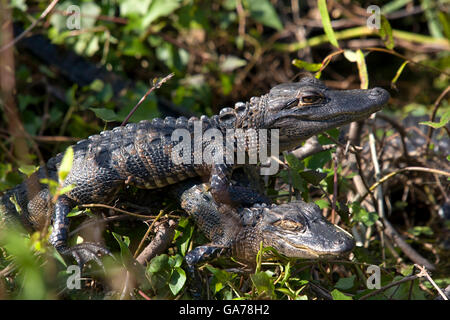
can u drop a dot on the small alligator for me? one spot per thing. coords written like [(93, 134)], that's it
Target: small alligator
[(140, 154), (296, 230)]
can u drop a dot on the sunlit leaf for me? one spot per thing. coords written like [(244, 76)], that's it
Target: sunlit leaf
[(106, 115), (398, 73), (386, 33), (311, 67), (337, 295), (326, 22), (263, 12), (66, 164), (177, 280), (436, 125)]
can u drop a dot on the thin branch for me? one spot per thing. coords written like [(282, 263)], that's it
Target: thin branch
[(50, 7), (163, 237), (424, 272), (396, 283), (99, 205), (156, 85), (392, 174), (136, 253), (433, 115)]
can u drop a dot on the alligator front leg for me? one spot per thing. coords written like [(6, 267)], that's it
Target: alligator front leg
[(224, 192), (198, 255), (83, 252)]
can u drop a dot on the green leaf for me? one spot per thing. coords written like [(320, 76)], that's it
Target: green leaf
[(184, 240), (66, 189), (445, 22), (398, 73), (66, 164), (312, 176), (263, 12), (221, 275), (419, 230), (322, 4), (386, 33), (407, 270), (263, 283), (124, 250), (177, 280), (322, 203), (97, 85), (158, 9), (337, 295), (362, 69), (158, 263), (293, 162), (89, 13), (311, 67), (436, 125), (19, 4), (231, 63), (431, 14), (52, 185), (130, 7), (74, 212), (27, 169), (175, 261), (345, 283), (361, 215), (394, 5), (106, 115)]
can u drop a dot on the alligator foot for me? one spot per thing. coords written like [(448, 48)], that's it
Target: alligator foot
[(196, 256), (85, 252), (226, 193)]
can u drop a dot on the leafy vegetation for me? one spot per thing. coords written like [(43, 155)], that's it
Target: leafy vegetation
[(222, 52)]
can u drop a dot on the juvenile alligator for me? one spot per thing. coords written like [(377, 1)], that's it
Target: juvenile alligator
[(295, 229), (140, 154)]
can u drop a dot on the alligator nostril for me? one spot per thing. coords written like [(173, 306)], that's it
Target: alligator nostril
[(376, 91), (379, 94)]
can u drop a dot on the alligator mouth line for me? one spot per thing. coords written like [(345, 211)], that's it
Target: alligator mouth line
[(313, 253), (336, 118)]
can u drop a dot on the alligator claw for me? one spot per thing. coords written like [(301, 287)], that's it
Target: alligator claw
[(86, 252)]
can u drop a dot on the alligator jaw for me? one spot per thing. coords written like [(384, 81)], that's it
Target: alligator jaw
[(297, 120), (297, 250)]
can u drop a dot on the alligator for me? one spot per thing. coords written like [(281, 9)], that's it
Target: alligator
[(140, 154), (295, 230)]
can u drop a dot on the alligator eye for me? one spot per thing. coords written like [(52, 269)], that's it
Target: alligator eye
[(289, 225), (311, 99)]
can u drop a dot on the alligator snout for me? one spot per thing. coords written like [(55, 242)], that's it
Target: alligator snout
[(380, 94), (345, 244)]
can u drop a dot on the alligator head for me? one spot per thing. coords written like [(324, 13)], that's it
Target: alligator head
[(297, 230), (302, 109)]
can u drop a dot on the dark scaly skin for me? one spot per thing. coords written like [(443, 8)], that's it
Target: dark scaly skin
[(140, 153), (296, 230)]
